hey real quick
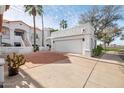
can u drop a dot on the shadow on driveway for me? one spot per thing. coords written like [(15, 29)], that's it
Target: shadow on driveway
[(22, 80)]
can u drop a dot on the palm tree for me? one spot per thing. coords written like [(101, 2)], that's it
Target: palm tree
[(42, 30), (34, 10), (63, 24)]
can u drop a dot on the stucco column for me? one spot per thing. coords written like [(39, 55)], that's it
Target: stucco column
[(52, 44), (12, 35), (87, 45)]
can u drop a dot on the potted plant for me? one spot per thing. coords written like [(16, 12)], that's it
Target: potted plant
[(14, 62)]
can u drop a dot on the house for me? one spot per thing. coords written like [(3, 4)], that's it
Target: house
[(18, 33), (79, 39)]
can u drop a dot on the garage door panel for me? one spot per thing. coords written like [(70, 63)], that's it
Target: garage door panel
[(74, 46)]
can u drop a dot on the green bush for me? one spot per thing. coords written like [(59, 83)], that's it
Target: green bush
[(36, 48), (97, 51)]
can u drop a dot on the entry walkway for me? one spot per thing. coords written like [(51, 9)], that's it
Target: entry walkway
[(66, 71)]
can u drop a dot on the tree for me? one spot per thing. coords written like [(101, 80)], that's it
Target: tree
[(63, 24), (101, 18), (109, 34), (34, 10)]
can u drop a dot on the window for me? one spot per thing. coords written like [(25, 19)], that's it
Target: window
[(17, 44)]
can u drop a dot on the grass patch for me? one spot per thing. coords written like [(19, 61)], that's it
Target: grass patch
[(115, 49)]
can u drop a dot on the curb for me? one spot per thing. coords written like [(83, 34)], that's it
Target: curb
[(96, 59)]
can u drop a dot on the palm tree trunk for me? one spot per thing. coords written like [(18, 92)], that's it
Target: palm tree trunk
[(34, 33), (42, 31), (1, 21)]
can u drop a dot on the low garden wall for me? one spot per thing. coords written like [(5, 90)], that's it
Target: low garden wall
[(43, 48), (22, 50)]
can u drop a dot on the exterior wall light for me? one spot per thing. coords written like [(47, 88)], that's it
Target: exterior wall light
[(83, 39), (83, 30)]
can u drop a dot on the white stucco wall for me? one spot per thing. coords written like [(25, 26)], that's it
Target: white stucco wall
[(46, 35), (38, 41), (39, 33), (74, 40)]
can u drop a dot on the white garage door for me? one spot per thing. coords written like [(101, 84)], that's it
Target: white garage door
[(73, 46)]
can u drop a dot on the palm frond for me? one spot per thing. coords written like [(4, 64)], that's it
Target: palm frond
[(38, 8)]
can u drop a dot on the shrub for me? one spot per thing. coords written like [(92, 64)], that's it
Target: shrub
[(97, 51), (36, 48), (14, 62)]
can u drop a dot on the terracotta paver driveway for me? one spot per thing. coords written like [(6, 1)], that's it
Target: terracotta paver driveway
[(41, 58), (50, 69)]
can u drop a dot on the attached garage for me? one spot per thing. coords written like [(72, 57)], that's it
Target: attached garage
[(79, 39), (69, 45)]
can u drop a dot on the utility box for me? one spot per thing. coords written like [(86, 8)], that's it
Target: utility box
[(2, 62)]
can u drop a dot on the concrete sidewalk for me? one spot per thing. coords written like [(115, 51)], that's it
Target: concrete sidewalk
[(112, 55), (72, 72)]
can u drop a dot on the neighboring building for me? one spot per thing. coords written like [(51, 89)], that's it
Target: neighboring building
[(79, 39), (18, 33)]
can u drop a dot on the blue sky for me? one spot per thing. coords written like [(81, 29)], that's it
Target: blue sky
[(53, 15)]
